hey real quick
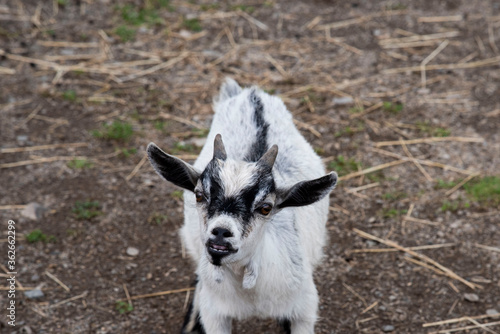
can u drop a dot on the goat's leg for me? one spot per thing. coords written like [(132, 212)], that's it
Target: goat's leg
[(216, 324), (306, 312), (192, 323)]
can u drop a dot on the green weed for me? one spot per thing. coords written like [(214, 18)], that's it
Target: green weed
[(118, 130), (177, 194), (125, 33), (86, 210), (69, 95), (123, 307), (392, 213), (441, 184), (426, 128), (37, 235), (127, 152), (184, 147), (392, 107), (450, 206), (486, 190), (80, 164), (244, 8), (344, 166), (206, 7), (394, 196), (192, 24), (157, 218)]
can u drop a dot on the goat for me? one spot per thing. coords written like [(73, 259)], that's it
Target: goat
[(256, 224)]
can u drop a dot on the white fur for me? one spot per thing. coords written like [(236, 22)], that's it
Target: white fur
[(271, 275)]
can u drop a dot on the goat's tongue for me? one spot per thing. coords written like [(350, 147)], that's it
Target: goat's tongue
[(219, 247)]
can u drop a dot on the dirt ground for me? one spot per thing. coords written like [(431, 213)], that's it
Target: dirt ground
[(110, 77)]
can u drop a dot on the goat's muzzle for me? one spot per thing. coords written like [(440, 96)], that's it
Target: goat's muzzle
[(218, 248)]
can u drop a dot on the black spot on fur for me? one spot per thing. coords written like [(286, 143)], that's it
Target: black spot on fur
[(286, 324), (259, 147)]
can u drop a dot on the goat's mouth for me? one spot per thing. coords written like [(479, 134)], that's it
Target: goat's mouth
[(217, 250)]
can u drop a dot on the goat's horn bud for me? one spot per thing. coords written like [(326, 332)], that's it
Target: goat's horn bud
[(268, 159), (219, 150)]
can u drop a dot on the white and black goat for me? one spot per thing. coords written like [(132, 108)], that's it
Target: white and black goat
[(254, 219)]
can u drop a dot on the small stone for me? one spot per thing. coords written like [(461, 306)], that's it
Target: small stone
[(132, 251), (343, 100), (34, 294), (372, 220), (35, 278), (33, 211), (388, 328), (22, 139), (471, 297), (492, 311)]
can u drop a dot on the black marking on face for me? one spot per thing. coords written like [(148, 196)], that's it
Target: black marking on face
[(240, 205), (259, 147)]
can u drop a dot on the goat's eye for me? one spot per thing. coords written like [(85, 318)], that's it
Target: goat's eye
[(265, 209), (199, 196)]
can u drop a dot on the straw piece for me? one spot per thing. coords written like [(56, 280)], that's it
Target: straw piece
[(367, 110), (493, 249), (38, 161), (419, 166), (390, 243), (12, 207), (83, 295), (372, 169), (388, 250), (253, 20), (351, 290), (137, 167), (422, 221), (55, 279), (429, 58), (455, 320), (430, 140), (425, 162), (153, 69), (455, 188), (63, 44), (466, 328), (475, 64), (439, 19), (157, 294), (181, 120), (308, 127), (6, 70), (41, 147)]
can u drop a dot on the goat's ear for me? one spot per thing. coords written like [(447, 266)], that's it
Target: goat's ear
[(228, 89), (307, 192), (172, 169)]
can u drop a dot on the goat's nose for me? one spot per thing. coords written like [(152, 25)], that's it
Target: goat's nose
[(222, 232)]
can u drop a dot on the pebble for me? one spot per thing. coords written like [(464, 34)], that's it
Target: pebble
[(492, 311), (471, 297), (343, 100), (22, 139), (388, 328), (33, 211), (34, 294), (132, 251)]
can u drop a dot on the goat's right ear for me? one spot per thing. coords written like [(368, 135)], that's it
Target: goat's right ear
[(307, 192), (172, 169)]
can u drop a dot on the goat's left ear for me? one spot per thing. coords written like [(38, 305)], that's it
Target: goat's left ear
[(172, 169), (307, 192)]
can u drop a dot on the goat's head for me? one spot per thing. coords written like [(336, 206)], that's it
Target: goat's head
[(236, 199)]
